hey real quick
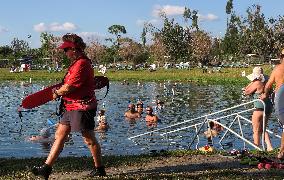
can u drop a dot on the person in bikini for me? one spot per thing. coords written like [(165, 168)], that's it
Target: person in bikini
[(255, 88), (277, 78)]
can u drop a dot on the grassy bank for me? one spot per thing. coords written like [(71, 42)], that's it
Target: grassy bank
[(196, 75), (165, 165)]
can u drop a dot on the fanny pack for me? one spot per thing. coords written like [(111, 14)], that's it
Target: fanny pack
[(81, 105)]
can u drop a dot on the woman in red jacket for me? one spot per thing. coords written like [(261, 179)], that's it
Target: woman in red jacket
[(80, 106)]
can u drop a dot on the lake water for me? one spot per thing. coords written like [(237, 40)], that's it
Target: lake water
[(183, 101)]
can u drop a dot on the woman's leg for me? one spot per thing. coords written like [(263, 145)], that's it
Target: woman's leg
[(281, 152), (267, 140), (61, 134), (256, 122), (269, 146), (94, 147)]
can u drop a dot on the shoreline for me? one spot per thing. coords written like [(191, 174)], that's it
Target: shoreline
[(166, 165)]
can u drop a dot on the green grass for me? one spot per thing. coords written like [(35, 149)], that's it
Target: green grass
[(230, 76), (11, 168), (35, 75)]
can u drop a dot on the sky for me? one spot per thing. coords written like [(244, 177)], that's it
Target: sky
[(27, 19)]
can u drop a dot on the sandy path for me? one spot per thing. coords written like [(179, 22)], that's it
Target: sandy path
[(184, 167)]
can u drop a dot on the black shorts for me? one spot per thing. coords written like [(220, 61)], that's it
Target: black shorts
[(267, 112), (79, 120)]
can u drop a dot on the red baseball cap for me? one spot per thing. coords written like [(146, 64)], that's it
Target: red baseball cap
[(67, 44)]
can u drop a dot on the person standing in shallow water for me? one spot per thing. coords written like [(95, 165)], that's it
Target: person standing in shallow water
[(139, 107), (102, 122), (132, 114), (80, 106), (151, 119)]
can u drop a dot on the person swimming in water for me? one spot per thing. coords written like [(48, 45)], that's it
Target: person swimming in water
[(139, 107), (132, 113), (160, 104), (44, 135), (151, 119), (212, 131), (103, 125)]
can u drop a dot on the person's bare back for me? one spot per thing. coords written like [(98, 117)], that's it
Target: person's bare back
[(278, 76)]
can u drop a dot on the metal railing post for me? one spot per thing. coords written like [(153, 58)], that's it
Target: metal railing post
[(242, 134), (196, 146), (263, 125), (196, 134), (227, 131)]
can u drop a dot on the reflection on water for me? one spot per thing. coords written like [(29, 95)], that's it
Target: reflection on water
[(182, 101)]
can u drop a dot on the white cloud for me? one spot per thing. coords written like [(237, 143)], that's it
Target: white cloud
[(208, 17), (91, 36), (40, 27), (3, 29), (55, 27), (168, 10), (62, 27)]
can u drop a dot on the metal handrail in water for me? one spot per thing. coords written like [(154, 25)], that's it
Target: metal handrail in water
[(186, 121), (169, 129)]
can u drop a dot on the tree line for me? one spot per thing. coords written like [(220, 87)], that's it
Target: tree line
[(173, 42)]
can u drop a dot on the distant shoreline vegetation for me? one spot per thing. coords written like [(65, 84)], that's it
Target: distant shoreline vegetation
[(250, 38), (195, 75)]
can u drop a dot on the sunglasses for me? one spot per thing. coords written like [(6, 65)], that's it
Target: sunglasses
[(66, 49)]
